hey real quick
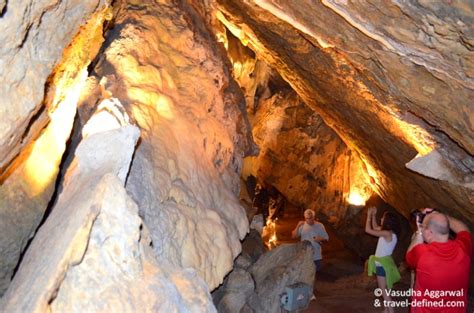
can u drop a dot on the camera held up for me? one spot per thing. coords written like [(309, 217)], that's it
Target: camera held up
[(420, 215)]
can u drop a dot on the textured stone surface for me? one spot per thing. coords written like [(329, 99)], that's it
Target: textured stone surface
[(259, 287), (26, 188), (28, 54), (92, 253), (303, 158), (238, 287), (116, 272), (185, 174), (62, 240), (281, 267), (390, 92), (298, 153)]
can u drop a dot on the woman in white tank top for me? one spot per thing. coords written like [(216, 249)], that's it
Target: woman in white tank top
[(387, 234)]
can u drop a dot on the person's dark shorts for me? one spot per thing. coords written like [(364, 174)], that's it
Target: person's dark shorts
[(317, 263), (379, 271)]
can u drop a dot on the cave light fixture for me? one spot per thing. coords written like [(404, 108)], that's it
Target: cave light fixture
[(356, 198), (269, 231)]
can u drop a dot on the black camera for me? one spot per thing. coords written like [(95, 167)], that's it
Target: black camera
[(421, 216)]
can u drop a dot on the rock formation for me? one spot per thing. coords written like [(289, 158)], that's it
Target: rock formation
[(124, 126), (394, 84)]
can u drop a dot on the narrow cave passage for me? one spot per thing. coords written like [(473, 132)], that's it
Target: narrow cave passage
[(303, 164)]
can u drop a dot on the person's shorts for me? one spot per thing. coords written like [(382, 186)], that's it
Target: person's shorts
[(379, 271), (317, 263)]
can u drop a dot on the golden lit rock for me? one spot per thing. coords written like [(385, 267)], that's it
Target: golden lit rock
[(26, 188)]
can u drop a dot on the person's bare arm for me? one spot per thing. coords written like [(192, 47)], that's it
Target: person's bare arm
[(456, 225), (368, 221), (294, 233), (375, 225), (416, 239), (376, 232)]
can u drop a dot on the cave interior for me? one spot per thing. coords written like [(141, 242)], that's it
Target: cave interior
[(156, 155)]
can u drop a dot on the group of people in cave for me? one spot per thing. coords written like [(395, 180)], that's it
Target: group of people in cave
[(439, 253)]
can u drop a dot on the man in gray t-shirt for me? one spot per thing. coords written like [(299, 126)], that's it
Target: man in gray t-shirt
[(314, 232)]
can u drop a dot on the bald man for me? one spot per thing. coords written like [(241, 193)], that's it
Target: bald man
[(442, 265)]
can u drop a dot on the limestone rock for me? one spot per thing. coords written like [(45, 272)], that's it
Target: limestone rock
[(281, 267), (393, 81), (303, 158), (185, 174), (89, 256), (238, 288), (253, 245), (28, 184), (61, 241), (28, 55), (116, 273), (433, 165)]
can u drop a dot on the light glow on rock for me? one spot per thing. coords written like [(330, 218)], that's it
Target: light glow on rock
[(355, 198), (42, 164), (416, 136), (269, 234)]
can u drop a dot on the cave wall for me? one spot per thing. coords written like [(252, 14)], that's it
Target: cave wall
[(185, 172), (399, 96), (93, 252), (28, 183), (297, 152), (392, 93), (303, 158), (158, 70), (28, 55)]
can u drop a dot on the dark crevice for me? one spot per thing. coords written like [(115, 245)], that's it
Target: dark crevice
[(108, 30), (25, 37), (36, 117), (3, 10)]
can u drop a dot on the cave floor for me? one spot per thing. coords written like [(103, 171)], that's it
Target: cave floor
[(342, 285)]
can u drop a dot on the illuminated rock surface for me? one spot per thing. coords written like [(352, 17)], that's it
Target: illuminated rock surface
[(391, 88), (98, 255), (26, 188), (28, 54), (185, 172), (390, 92), (304, 158)]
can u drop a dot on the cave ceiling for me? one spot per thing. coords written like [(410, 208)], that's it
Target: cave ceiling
[(395, 81)]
